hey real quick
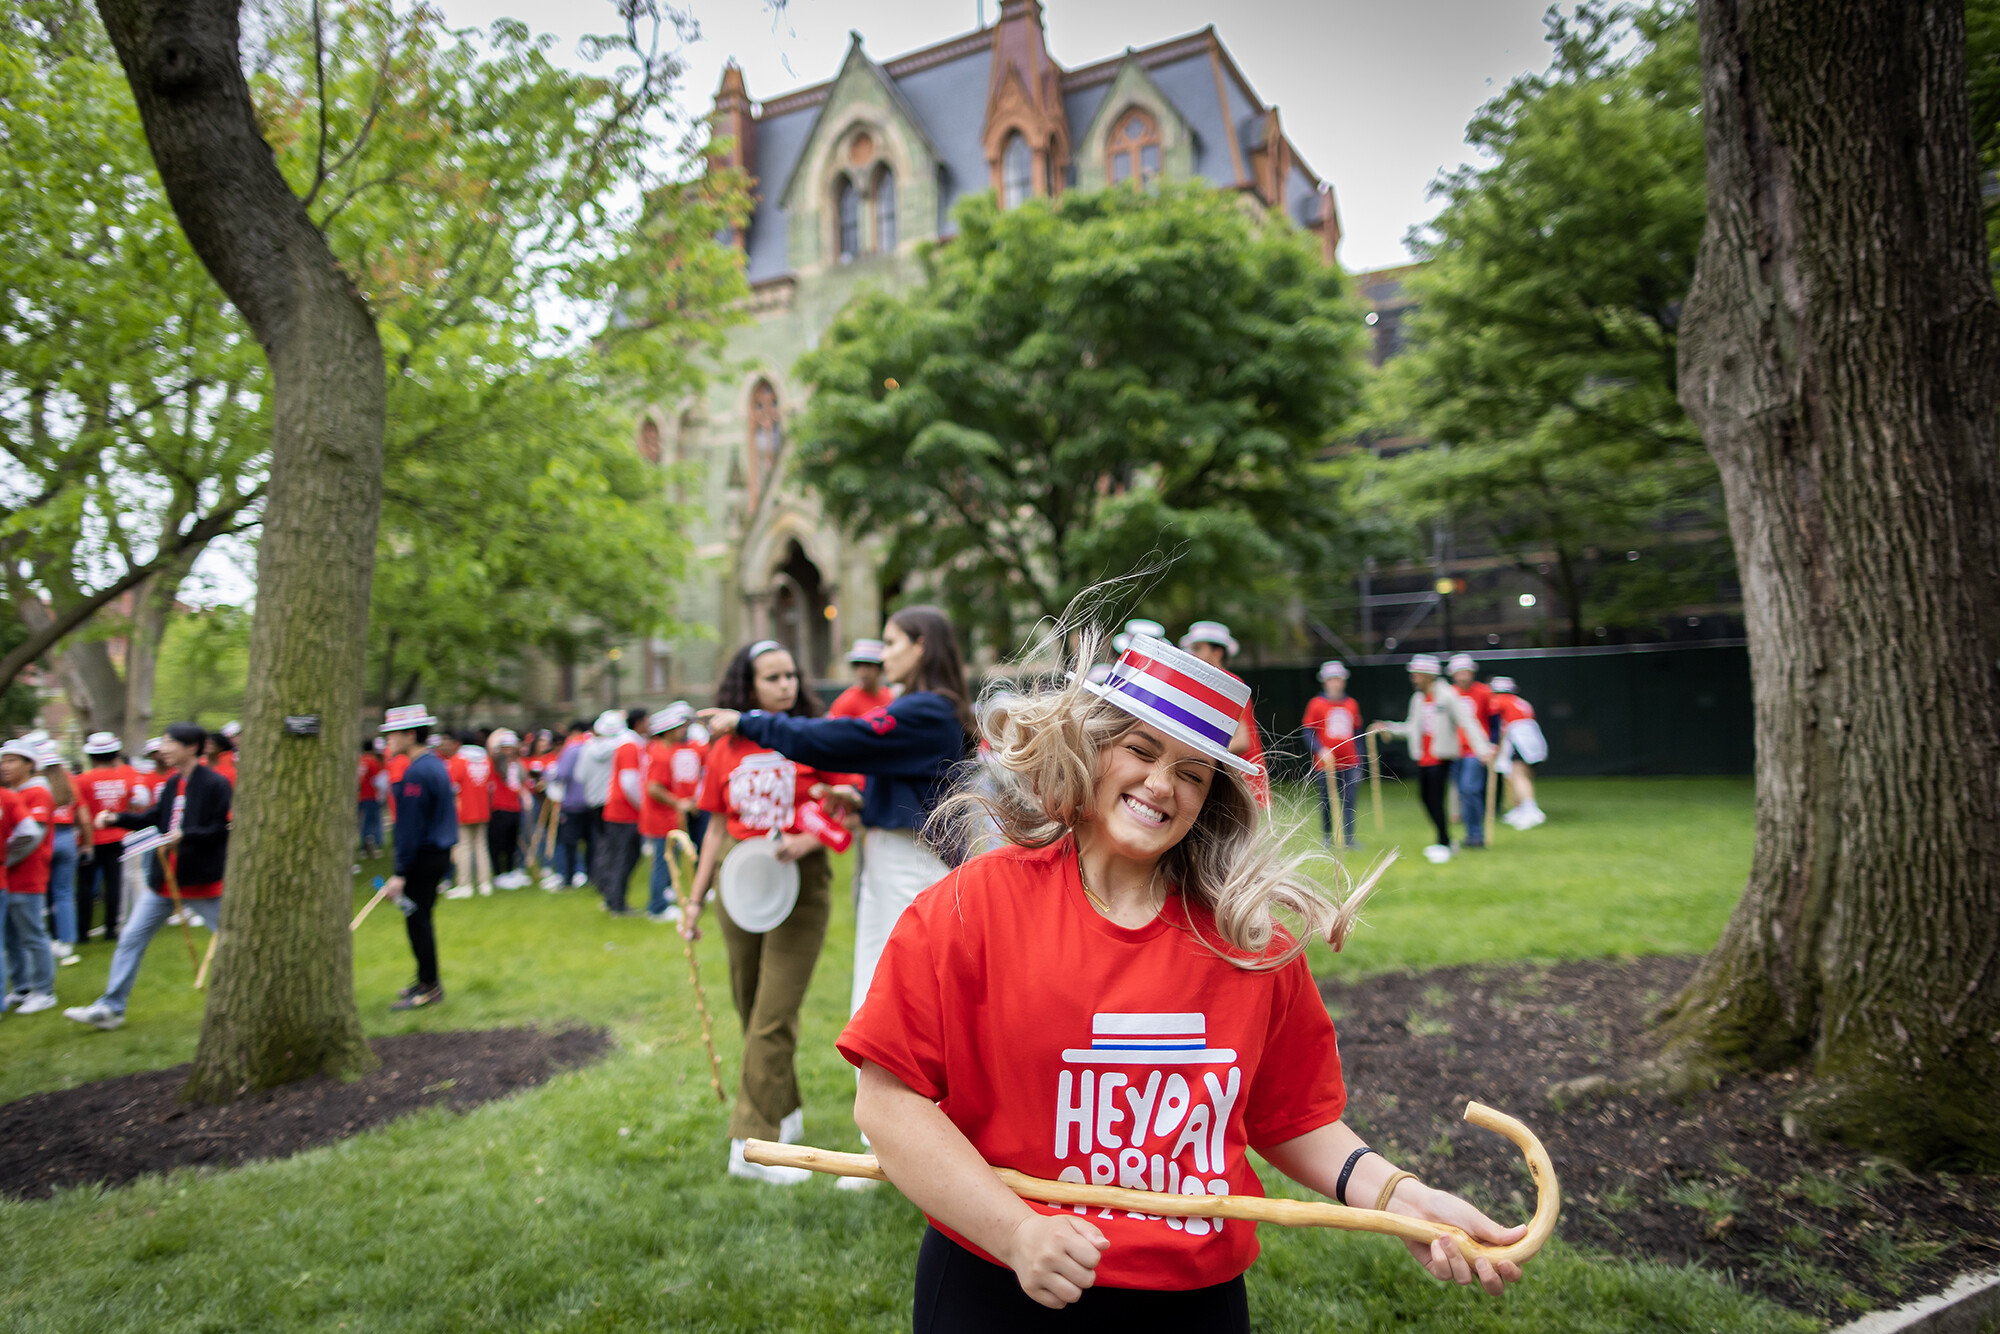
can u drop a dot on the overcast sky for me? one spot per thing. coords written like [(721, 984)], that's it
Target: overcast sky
[(1375, 94)]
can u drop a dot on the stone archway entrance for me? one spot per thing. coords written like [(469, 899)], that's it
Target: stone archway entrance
[(799, 602)]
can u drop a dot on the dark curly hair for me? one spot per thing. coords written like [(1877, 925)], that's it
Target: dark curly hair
[(738, 687)]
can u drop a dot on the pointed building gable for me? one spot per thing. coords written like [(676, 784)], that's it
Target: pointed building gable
[(1024, 97)]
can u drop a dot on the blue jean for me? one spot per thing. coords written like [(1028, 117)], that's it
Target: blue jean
[(1347, 782), (62, 884), (147, 914), (1469, 774), (371, 823), (663, 877), (30, 966)]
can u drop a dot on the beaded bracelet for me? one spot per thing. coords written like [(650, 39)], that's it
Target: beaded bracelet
[(1340, 1187)]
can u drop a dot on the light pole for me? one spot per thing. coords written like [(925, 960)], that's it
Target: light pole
[(611, 668)]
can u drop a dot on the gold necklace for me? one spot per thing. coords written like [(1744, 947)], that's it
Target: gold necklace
[(1099, 904)]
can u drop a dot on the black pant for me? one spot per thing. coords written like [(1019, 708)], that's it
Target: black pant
[(104, 869), (420, 887), (503, 840), (1433, 781), (577, 836), (959, 1293), (616, 853)]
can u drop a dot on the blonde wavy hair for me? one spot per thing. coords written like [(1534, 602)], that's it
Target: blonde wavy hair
[(1040, 776)]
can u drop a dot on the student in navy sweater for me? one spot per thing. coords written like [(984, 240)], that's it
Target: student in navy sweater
[(908, 752), (426, 832)]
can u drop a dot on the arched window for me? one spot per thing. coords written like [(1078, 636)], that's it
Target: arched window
[(649, 440), (1017, 172), (885, 211), (1133, 150), (847, 204), (767, 434)]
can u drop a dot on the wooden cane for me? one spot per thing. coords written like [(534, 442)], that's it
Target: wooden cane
[(367, 908), (1492, 792), (681, 867), (1249, 1208), (207, 958), (542, 825), (1375, 780), (167, 859)]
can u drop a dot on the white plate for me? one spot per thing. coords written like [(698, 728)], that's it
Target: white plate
[(758, 891)]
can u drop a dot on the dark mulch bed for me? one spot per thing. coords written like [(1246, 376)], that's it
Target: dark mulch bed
[(1710, 1180), (117, 1129)]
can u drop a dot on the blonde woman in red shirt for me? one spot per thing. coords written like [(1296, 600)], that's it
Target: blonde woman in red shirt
[(1111, 998)]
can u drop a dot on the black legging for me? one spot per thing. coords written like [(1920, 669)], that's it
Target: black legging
[(959, 1293), (503, 840), (106, 870), (420, 887), (1432, 782)]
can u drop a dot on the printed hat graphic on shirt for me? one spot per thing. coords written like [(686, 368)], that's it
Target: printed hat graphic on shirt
[(866, 651), (1176, 692), (101, 743), (404, 718), (1148, 1039)]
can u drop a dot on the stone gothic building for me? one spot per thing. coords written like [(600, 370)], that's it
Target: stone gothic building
[(851, 176)]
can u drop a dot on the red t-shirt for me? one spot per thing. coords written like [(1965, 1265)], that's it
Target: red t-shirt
[(1260, 782), (117, 788), (394, 767), (758, 789), (225, 764), (618, 808), (1511, 709), (468, 778), (1481, 697), (30, 875), (854, 701), (684, 769), (1338, 722), (12, 811), (503, 789), (369, 770), (1066, 1046), (657, 818)]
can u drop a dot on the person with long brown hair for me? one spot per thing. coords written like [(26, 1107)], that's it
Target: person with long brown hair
[(908, 752)]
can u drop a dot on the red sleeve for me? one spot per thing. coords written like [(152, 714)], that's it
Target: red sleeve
[(714, 796), (900, 1027), (1316, 711), (1298, 1086)]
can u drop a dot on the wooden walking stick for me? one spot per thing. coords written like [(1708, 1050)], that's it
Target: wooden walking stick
[(207, 958), (381, 892), (168, 856), (1249, 1208), (1492, 792), (1375, 779), (681, 866)]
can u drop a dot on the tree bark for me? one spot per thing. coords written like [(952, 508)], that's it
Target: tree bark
[(153, 607), (1841, 355), (281, 1000)]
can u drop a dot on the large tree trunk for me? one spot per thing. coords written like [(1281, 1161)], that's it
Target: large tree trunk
[(281, 1005), (1839, 354)]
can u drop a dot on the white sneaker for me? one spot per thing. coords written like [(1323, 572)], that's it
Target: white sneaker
[(12, 998), (579, 880), (36, 1002), (96, 1014), (739, 1166), (1437, 854), (670, 913), (459, 892), (486, 891), (1533, 818), (63, 950), (792, 1129), (551, 881), (354, 869)]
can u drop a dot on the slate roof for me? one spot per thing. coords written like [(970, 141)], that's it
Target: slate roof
[(942, 89)]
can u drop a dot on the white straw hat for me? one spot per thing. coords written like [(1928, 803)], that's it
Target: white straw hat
[(1462, 662), (1192, 702), (101, 743), (674, 715), (402, 718), (1425, 662), (1330, 669), (609, 723), (866, 651), (1502, 685), (1210, 632), (502, 737)]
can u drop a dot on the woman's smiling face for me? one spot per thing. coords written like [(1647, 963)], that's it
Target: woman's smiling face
[(1150, 788)]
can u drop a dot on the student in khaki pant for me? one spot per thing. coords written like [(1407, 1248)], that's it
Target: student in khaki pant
[(758, 792)]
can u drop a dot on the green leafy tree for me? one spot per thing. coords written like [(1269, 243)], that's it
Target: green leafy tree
[(1543, 353), (1080, 386), (204, 666)]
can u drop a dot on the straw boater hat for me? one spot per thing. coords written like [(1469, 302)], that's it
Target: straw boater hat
[(406, 718), (1426, 662), (101, 743), (1135, 627), (1210, 632), (1502, 685), (1332, 668), (232, 729), (866, 651), (1192, 702), (676, 714), (609, 723), (1462, 662), (501, 737), (28, 750)]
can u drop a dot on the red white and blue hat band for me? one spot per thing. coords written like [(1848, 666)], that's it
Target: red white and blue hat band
[(1181, 695)]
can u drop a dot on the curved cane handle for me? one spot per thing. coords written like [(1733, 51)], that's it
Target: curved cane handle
[(1250, 1208)]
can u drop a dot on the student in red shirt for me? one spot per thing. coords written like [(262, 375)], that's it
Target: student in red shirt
[(1111, 999), (1213, 644), (616, 854), (30, 966), (372, 788), (466, 763), (108, 784), (1332, 722), (662, 812), (1441, 721), (222, 750), (1522, 747), (867, 693), (759, 794), (506, 785), (1470, 773)]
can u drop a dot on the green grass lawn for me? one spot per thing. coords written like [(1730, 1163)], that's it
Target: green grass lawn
[(598, 1202)]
